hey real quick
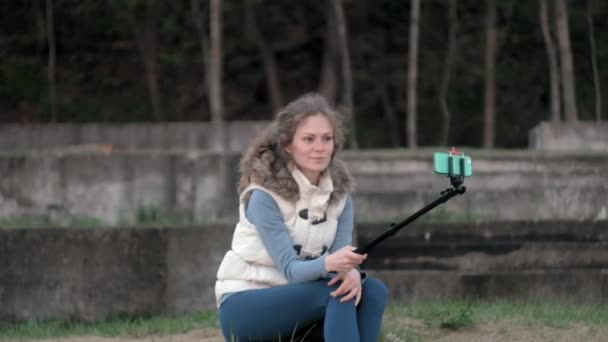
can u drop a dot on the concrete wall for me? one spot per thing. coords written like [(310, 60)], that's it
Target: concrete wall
[(528, 260), (125, 137), (582, 135), (506, 185), (112, 187), (576, 136), (93, 274)]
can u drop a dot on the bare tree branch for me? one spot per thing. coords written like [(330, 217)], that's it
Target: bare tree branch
[(412, 75), (347, 93), (215, 78), (50, 31), (447, 71), (553, 66), (270, 64), (198, 17), (593, 53), (567, 68), (489, 103)]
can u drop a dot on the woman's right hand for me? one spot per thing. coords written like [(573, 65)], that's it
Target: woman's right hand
[(343, 260)]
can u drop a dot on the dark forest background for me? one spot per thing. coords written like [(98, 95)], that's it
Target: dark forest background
[(100, 61)]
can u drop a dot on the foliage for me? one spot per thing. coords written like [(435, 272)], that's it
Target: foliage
[(19, 82), (456, 320), (100, 73), (150, 215)]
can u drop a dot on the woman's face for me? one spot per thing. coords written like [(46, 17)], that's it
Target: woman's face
[(312, 146)]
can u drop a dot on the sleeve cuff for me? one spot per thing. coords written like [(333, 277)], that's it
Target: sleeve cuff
[(363, 274)]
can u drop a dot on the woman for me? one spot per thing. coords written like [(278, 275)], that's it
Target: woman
[(291, 264)]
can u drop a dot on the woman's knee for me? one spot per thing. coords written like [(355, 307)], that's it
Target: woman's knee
[(375, 290)]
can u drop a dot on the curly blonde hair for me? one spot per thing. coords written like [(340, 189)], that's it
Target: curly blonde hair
[(269, 146)]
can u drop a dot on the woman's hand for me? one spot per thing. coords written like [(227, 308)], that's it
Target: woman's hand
[(343, 260), (351, 286)]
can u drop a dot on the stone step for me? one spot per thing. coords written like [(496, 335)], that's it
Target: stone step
[(579, 285), (490, 246)]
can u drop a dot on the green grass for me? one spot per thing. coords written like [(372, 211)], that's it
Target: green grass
[(428, 321), (119, 326), (548, 313), (407, 322), (477, 311)]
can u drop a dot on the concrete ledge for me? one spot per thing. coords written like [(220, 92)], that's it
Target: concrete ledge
[(112, 186), (93, 274), (569, 136), (490, 246), (590, 286), (125, 137)]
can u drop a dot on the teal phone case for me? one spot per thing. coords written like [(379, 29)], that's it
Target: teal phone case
[(441, 162)]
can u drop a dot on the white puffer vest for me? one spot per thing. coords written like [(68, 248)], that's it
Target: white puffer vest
[(311, 223)]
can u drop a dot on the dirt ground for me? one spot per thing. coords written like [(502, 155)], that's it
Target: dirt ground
[(509, 332), (491, 331), (199, 335)]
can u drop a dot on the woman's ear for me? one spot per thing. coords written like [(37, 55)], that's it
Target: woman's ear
[(287, 149)]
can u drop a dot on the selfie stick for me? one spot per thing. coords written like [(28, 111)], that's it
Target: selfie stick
[(457, 189)]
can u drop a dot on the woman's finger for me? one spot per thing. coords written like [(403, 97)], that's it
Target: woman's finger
[(335, 279), (342, 289), (358, 297), (349, 296)]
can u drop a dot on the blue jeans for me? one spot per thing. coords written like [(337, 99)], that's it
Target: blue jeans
[(288, 310)]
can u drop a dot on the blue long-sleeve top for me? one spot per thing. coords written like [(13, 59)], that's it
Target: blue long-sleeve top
[(263, 211)]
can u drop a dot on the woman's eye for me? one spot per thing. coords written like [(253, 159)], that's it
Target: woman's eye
[(328, 138), (308, 139)]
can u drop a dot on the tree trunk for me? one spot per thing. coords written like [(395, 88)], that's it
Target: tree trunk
[(593, 52), (567, 69), (447, 70), (553, 66), (41, 31), (270, 64), (152, 57), (50, 31), (199, 21), (347, 80), (489, 103), (146, 40), (389, 112), (382, 89), (328, 85), (412, 74), (215, 78)]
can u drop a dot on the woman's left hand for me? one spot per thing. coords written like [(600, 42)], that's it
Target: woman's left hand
[(351, 286)]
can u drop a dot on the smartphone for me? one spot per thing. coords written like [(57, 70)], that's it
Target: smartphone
[(452, 164)]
